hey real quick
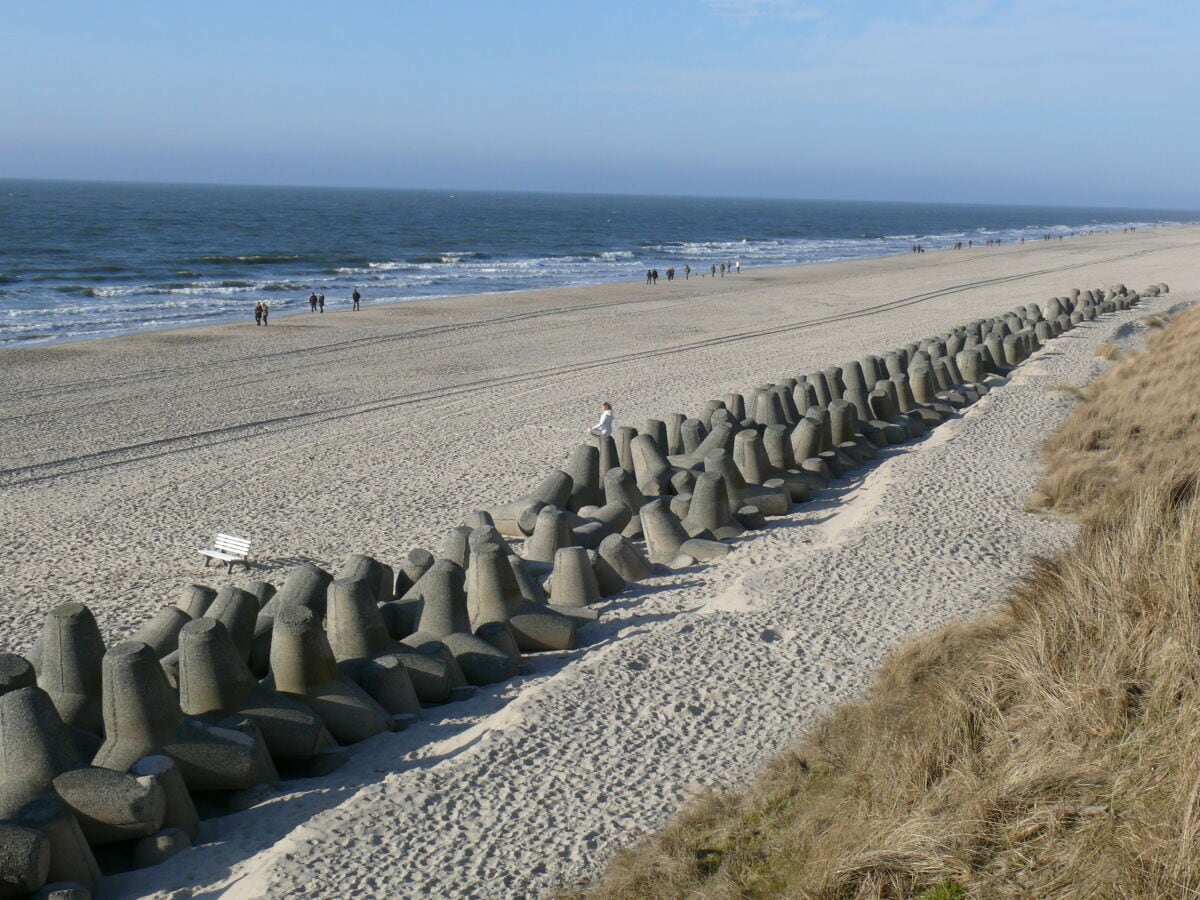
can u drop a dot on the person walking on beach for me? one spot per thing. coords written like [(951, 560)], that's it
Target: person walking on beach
[(258, 313), (604, 427), (266, 312), (687, 271), (670, 274), (737, 265), (714, 270), (649, 273), (312, 302), (321, 303), (722, 270), (356, 297), (654, 276)]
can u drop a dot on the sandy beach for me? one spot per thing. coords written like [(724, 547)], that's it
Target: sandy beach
[(376, 431)]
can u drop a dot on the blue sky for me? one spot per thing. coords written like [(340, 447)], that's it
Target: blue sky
[(1057, 101)]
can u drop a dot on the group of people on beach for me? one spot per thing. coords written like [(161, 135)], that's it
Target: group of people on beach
[(316, 303), (734, 267)]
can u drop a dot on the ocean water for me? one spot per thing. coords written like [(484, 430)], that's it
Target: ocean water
[(85, 260)]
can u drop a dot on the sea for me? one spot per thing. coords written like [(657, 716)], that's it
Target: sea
[(89, 260)]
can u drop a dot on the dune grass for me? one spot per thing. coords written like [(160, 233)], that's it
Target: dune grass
[(1049, 748)]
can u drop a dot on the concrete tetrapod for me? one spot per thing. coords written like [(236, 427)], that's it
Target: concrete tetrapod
[(720, 437), (551, 533), (15, 672), (195, 599), (306, 586), (142, 717), (354, 625), (237, 610), (24, 860), (380, 578), (303, 665), (493, 594), (615, 517), (656, 430), (214, 683), (664, 532), (69, 668), (481, 662), (711, 510), (609, 458), (388, 681), (416, 563), (755, 467), (443, 599), (675, 433), (623, 437), (777, 442), (162, 631), (573, 583), (456, 546), (692, 434), (527, 581), (771, 499), (650, 467), (38, 762), (554, 490), (71, 859), (584, 469), (590, 534), (485, 535), (624, 558), (263, 591), (424, 645), (112, 806)]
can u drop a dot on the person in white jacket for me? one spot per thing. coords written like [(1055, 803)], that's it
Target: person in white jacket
[(604, 427)]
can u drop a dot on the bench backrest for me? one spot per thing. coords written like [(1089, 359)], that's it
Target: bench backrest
[(231, 544)]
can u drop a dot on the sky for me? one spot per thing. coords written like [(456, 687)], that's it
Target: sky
[(1054, 101)]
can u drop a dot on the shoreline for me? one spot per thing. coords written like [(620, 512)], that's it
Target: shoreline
[(43, 342)]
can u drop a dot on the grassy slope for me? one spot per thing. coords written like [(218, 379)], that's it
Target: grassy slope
[(1049, 748)]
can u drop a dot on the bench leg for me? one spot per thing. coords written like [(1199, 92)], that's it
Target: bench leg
[(229, 568), (206, 561)]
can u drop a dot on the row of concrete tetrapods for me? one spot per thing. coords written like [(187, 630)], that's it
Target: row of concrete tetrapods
[(110, 757)]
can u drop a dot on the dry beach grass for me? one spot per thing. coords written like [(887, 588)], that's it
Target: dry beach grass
[(1047, 748)]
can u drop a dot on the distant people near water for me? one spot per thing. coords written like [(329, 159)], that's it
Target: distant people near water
[(604, 427), (321, 303), (258, 313), (714, 270), (687, 271), (737, 266), (312, 302), (649, 275), (722, 270), (356, 298), (670, 274), (266, 311), (654, 276)]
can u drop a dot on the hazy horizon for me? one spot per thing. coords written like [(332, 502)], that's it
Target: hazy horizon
[(440, 189)]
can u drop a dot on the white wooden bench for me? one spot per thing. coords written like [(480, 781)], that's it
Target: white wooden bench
[(229, 550)]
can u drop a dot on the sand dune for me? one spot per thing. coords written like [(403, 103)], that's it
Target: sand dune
[(377, 431)]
